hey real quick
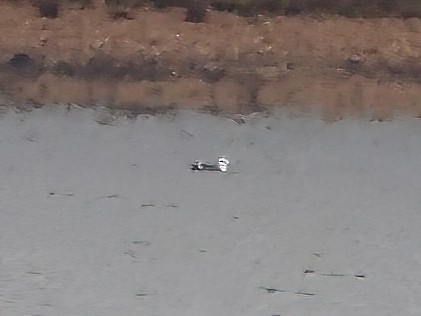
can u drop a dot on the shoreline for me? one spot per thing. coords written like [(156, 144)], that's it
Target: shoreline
[(155, 60)]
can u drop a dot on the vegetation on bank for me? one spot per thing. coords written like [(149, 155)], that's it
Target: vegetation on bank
[(349, 8), (196, 9)]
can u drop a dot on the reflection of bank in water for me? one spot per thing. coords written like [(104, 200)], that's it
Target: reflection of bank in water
[(221, 166)]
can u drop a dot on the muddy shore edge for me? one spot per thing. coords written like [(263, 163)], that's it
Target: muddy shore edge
[(153, 60)]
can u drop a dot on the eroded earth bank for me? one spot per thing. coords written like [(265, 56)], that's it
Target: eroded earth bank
[(149, 59)]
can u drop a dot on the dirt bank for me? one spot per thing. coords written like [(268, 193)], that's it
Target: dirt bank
[(149, 58)]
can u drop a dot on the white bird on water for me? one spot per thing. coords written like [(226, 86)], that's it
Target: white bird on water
[(221, 166)]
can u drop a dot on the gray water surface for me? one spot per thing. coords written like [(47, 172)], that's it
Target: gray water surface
[(313, 218)]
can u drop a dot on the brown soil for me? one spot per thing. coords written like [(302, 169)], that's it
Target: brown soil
[(150, 59)]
